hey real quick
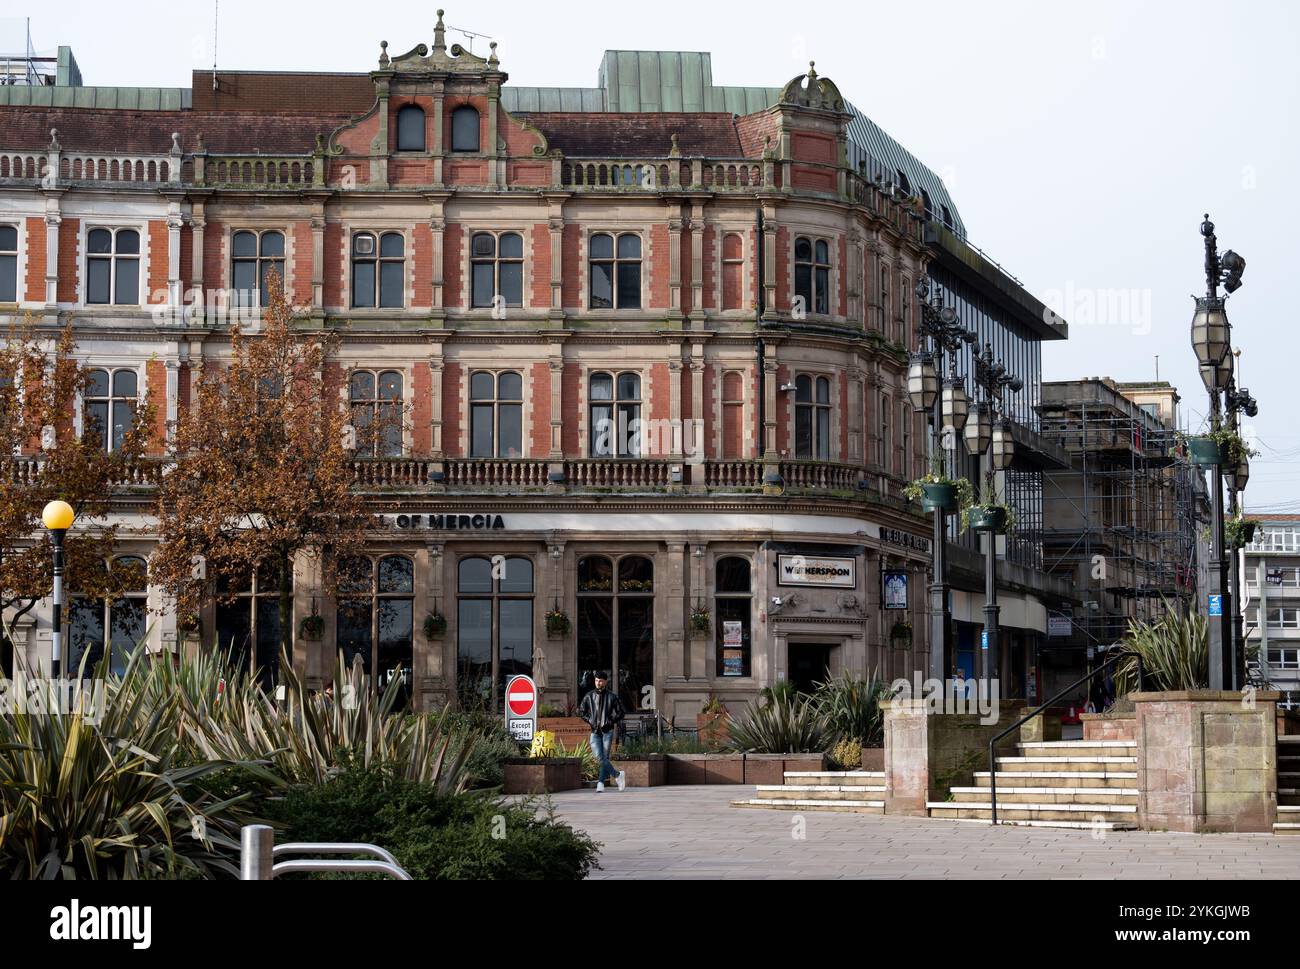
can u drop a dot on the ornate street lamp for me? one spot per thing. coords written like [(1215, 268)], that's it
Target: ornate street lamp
[(979, 427), (922, 381), (57, 517), (1002, 446), (1211, 335), (956, 405)]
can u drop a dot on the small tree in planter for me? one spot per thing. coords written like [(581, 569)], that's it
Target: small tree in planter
[(700, 622), (435, 625), (557, 623)]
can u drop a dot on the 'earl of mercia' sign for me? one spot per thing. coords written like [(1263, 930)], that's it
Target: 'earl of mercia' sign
[(463, 523)]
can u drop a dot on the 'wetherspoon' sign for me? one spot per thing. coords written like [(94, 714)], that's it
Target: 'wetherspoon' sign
[(463, 523)]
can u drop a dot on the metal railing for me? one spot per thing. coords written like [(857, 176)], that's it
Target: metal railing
[(258, 852), (993, 772)]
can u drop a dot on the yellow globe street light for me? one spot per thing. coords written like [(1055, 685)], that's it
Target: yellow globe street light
[(58, 517)]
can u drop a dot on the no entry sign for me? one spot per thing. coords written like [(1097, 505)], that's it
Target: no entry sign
[(521, 707)]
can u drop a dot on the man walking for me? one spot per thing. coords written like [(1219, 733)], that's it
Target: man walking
[(602, 710)]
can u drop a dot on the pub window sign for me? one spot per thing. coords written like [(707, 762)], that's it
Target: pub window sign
[(818, 572), (894, 592)]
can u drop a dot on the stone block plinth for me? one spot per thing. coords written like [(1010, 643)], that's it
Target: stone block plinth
[(1207, 760)]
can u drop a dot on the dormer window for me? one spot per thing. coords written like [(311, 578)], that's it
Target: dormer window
[(410, 128), (464, 129)]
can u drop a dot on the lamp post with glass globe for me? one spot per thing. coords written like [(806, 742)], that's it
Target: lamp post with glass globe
[(947, 405), (1211, 338), (1238, 402), (57, 517)]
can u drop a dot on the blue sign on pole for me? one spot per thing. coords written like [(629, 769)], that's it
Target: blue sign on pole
[(984, 639), (1216, 605)]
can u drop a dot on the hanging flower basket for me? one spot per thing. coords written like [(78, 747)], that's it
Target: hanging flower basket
[(700, 621), (988, 518), (1239, 532), (901, 632), (941, 496), (557, 623), (311, 627), (435, 624)]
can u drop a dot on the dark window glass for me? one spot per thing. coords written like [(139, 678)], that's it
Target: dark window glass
[(602, 285), (602, 247), (733, 575), (629, 285), (475, 575), (410, 128), (482, 284), (464, 129), (595, 574), (97, 281), (127, 282), (128, 241), (244, 244)]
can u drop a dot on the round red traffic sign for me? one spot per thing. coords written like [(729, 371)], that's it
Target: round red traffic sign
[(521, 695)]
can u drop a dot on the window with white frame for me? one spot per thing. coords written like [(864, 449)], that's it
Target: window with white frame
[(378, 269), (8, 263), (1284, 659), (113, 266), (496, 426), (812, 418), (812, 274), (254, 256), (614, 271), (1284, 618), (376, 400), (496, 269), (615, 411), (114, 626), (109, 406)]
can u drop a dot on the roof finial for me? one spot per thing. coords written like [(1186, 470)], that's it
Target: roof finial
[(812, 72), (675, 151), (54, 139), (493, 59), (176, 143), (383, 53), (439, 34)]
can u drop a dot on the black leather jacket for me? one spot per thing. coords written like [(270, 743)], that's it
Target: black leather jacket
[(602, 709)]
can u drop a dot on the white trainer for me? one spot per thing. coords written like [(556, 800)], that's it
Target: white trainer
[(622, 779), (600, 786)]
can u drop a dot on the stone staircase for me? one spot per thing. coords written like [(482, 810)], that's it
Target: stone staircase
[(1288, 786), (1055, 784), (855, 791)]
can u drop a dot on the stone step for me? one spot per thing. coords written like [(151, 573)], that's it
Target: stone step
[(865, 778), (1079, 748), (1093, 764), (1286, 828), (1058, 778), (1288, 795), (1075, 825), (855, 807), (1049, 795), (1034, 811), (1289, 739), (817, 792)]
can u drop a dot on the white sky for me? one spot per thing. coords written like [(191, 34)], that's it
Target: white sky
[(1082, 141)]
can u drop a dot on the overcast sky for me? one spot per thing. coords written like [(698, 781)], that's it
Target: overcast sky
[(1082, 141)]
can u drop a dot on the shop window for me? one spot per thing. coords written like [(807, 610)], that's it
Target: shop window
[(733, 272), (812, 273), (496, 415), (115, 626), (376, 400), (494, 628), (110, 403), (378, 270), (254, 256), (733, 606), (615, 412), (615, 627), (615, 271), (8, 264), (248, 622), (113, 266), (464, 129), (497, 269), (812, 418), (410, 128), (733, 414), (375, 619)]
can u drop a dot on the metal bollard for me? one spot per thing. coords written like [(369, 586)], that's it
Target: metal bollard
[(257, 852)]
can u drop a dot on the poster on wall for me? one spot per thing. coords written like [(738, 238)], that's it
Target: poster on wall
[(895, 591), (733, 657)]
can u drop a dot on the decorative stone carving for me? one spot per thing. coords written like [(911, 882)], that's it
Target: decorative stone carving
[(817, 92)]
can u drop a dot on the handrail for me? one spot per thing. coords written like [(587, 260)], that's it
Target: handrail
[(258, 851), (993, 772)]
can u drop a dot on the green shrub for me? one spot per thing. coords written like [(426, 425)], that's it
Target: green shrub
[(846, 754), (491, 747), (850, 706), (1175, 653), (437, 834), (787, 722)]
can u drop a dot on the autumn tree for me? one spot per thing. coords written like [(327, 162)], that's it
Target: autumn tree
[(44, 459), (262, 469)]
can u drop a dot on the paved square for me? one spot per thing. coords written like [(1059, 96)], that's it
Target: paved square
[(693, 832)]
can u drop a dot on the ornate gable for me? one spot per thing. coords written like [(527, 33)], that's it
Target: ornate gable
[(441, 60)]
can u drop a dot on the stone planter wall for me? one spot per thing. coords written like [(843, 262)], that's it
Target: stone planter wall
[(927, 753), (873, 758), (771, 768), (1207, 761), (1044, 727), (1106, 726), (643, 770), (706, 768), (541, 775), (567, 730)]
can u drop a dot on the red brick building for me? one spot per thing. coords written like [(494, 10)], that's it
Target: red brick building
[(571, 306)]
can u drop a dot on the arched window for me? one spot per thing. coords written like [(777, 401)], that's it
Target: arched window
[(376, 400), (615, 627), (375, 618), (110, 403), (464, 129), (410, 128), (494, 628), (733, 272), (733, 414), (615, 411), (615, 271), (812, 272), (248, 621), (254, 256), (113, 266), (733, 602), (812, 418), (496, 415), (115, 626), (497, 269), (378, 269)]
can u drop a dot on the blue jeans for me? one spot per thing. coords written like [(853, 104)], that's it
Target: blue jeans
[(600, 746)]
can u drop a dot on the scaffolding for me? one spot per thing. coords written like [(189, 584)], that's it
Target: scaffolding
[(1122, 523)]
